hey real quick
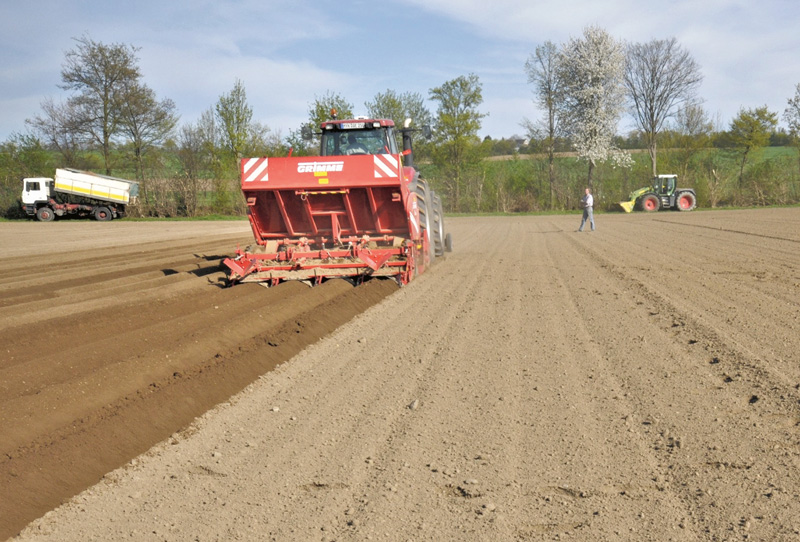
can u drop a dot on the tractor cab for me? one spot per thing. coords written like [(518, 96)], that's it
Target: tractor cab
[(363, 135), (664, 185), (358, 136)]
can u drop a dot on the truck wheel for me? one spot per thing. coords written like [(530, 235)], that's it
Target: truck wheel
[(650, 203), (686, 201), (103, 214), (45, 214)]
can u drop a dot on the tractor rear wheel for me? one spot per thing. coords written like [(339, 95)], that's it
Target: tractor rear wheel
[(650, 203), (686, 201), (426, 210), (438, 225)]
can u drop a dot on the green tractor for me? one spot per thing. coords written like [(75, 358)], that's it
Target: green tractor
[(662, 194)]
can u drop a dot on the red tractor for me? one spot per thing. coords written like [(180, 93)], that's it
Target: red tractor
[(358, 210)]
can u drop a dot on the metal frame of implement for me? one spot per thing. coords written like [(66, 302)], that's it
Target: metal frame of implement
[(335, 216)]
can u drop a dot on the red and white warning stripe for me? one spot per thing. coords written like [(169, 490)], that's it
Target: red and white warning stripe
[(254, 169), (386, 165), (412, 218)]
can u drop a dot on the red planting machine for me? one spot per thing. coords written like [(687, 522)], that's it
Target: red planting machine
[(358, 210)]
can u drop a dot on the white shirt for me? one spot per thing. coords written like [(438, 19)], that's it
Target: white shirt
[(588, 200)]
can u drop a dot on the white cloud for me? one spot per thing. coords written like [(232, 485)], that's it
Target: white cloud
[(277, 90)]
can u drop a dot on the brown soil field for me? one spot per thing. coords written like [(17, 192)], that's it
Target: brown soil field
[(640, 382)]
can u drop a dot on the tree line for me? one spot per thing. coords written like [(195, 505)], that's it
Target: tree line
[(112, 121)]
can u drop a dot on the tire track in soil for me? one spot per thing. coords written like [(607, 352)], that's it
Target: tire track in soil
[(101, 377), (738, 256), (755, 414), (705, 316), (727, 278), (403, 476), (581, 486), (730, 230), (356, 476)]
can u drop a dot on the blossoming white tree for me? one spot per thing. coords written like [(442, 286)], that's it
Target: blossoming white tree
[(543, 73), (592, 70)]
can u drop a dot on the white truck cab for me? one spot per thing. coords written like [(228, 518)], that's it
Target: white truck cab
[(36, 189)]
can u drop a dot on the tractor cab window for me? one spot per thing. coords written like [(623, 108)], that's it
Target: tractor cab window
[(667, 185), (364, 141), (32, 185)]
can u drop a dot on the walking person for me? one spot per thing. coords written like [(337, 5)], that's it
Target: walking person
[(588, 206)]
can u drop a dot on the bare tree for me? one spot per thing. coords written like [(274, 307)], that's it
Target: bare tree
[(99, 74), (235, 120), (693, 129), (146, 121), (543, 73), (792, 117), (194, 165), (109, 104), (591, 70), (750, 131), (57, 127), (660, 78), (194, 161)]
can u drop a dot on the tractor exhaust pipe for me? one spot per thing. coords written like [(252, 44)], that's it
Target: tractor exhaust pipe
[(408, 150)]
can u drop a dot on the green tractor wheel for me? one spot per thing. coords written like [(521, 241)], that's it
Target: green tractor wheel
[(686, 201), (650, 203)]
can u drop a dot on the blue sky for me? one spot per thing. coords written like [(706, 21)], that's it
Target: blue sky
[(289, 52)]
